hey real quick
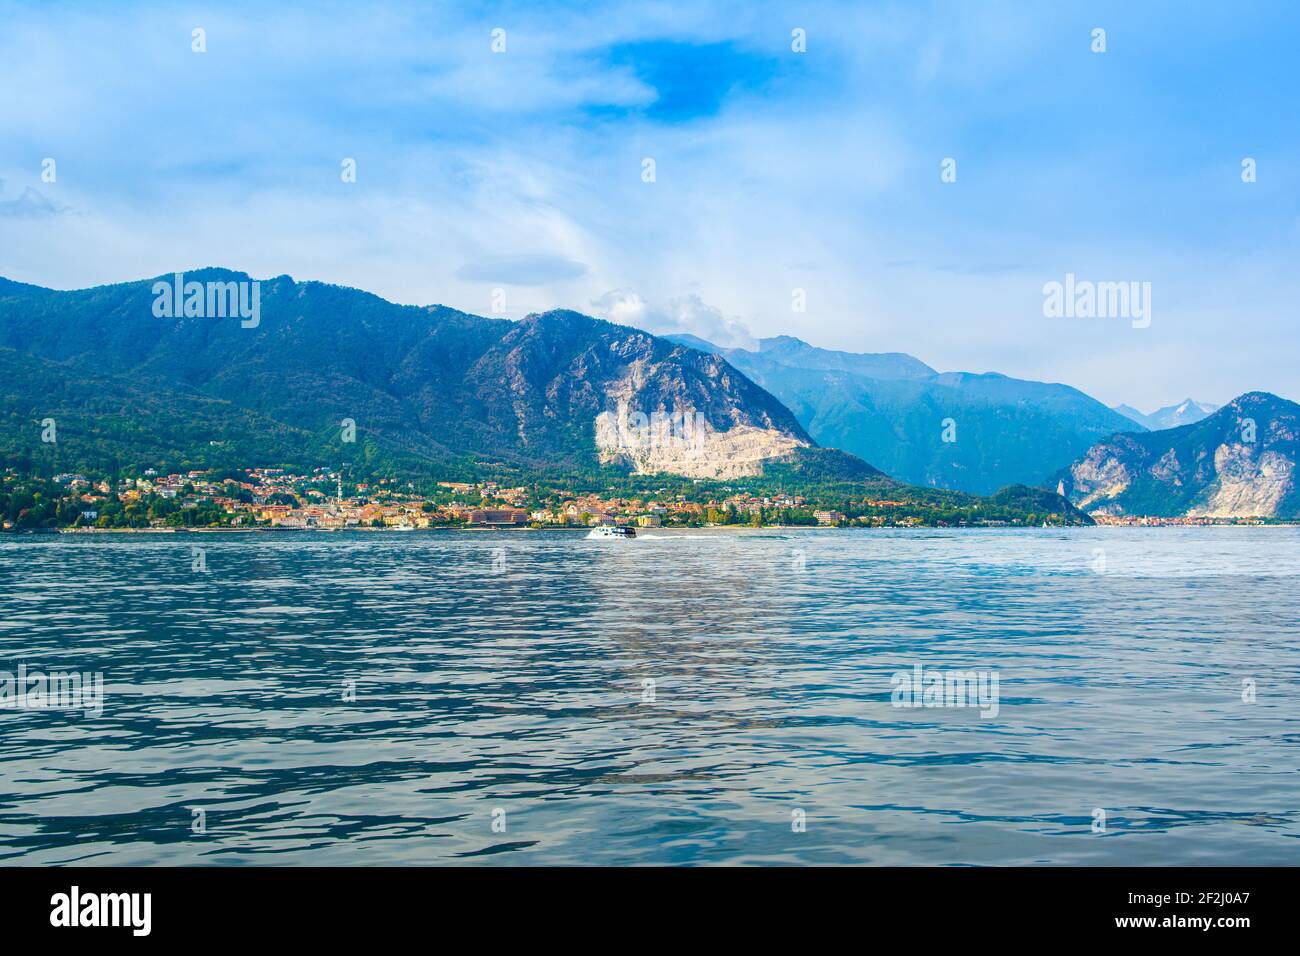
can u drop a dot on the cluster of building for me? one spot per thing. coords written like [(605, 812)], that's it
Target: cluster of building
[(752, 504), (270, 497), (1146, 521), (190, 489), (279, 499)]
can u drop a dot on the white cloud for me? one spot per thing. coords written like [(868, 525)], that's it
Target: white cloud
[(682, 314)]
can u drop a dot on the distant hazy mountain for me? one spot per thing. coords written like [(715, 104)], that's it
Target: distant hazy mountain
[(1185, 412), (793, 353), (429, 385), (1238, 462), (1132, 414), (893, 409)]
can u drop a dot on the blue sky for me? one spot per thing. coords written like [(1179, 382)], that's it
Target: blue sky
[(775, 171)]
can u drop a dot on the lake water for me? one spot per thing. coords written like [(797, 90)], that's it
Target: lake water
[(683, 698)]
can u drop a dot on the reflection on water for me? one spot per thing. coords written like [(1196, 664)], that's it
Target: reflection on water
[(669, 699)]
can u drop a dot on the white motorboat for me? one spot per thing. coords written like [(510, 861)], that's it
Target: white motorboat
[(613, 531)]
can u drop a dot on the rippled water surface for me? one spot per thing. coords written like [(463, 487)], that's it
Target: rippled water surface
[(507, 672)]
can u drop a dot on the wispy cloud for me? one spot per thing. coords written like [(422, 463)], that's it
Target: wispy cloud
[(683, 314), (30, 204)]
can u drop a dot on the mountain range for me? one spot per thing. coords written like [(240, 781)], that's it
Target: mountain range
[(439, 393), (1171, 416), (1238, 462), (426, 392), (423, 385), (958, 430)]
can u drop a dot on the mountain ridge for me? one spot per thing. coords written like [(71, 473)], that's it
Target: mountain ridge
[(428, 391), (1239, 462), (422, 382), (966, 431), (1185, 412)]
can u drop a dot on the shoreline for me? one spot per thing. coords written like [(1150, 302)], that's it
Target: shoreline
[(651, 530)]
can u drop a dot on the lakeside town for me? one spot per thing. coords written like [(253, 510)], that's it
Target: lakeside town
[(274, 498)]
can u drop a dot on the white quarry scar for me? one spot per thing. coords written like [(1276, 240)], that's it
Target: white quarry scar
[(700, 451), (1247, 487)]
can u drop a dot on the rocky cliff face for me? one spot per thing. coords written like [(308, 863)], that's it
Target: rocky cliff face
[(1239, 462), (643, 402), (1249, 484), (687, 445)]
